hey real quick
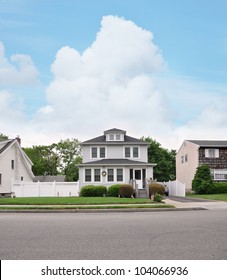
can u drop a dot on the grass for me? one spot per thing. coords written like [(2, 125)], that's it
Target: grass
[(220, 196), (72, 200), (54, 207)]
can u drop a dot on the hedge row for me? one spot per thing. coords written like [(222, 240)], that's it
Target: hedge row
[(217, 187), (124, 190)]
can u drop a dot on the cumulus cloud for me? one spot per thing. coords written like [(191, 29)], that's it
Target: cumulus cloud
[(19, 70), (109, 84)]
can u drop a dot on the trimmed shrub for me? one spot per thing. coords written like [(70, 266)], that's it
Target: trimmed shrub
[(126, 190), (113, 190), (158, 197), (202, 182), (218, 187), (155, 188), (91, 191)]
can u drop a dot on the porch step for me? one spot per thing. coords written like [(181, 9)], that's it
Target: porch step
[(142, 193)]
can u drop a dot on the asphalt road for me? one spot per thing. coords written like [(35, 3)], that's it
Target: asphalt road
[(152, 235)]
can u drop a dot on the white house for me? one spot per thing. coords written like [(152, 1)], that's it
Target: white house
[(14, 165), (115, 158)]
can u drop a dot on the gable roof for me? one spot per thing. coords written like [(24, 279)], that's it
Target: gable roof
[(6, 144), (114, 130), (209, 143)]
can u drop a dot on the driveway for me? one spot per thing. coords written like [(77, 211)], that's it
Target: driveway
[(199, 203)]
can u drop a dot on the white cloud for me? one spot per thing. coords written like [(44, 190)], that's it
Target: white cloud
[(109, 84), (20, 70), (117, 82)]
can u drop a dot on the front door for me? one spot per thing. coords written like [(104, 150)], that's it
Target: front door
[(138, 178)]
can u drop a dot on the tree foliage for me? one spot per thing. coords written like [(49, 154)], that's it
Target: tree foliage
[(165, 169), (202, 182), (3, 137), (56, 159)]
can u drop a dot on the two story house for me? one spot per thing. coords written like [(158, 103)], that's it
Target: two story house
[(193, 153), (14, 165), (115, 158)]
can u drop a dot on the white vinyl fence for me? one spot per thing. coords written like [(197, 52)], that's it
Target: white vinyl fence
[(42, 189), (176, 188)]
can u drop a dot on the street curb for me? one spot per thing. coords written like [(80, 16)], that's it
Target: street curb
[(127, 210)]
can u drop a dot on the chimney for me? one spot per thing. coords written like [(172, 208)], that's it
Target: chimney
[(18, 140)]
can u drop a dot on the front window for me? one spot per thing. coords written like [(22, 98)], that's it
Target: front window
[(119, 175), (94, 152), (110, 176), (87, 175), (97, 175)]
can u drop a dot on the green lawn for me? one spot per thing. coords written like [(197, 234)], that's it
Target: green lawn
[(220, 196), (71, 200)]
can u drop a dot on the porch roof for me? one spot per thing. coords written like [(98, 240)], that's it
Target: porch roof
[(122, 162)]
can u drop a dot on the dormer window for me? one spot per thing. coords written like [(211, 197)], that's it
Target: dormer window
[(115, 137), (111, 137)]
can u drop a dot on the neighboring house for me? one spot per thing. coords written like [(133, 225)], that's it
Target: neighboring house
[(14, 165), (193, 153), (115, 158)]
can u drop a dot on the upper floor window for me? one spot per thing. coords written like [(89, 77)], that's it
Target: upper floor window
[(94, 153), (12, 164), (102, 152), (127, 152), (98, 152), (135, 152), (186, 158), (211, 153), (182, 159), (131, 152)]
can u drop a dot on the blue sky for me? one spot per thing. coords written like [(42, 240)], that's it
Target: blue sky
[(187, 91)]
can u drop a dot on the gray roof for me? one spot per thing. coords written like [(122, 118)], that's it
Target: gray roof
[(102, 139), (209, 143), (116, 161), (114, 130), (7, 144)]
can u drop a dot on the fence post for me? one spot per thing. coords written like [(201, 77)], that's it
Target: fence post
[(38, 187)]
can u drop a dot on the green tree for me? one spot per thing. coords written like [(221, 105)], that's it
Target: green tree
[(45, 160), (57, 159), (202, 181), (165, 169), (69, 154), (3, 137)]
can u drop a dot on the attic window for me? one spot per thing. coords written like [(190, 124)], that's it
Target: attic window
[(118, 137), (111, 137)]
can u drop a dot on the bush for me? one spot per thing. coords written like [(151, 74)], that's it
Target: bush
[(113, 190), (156, 188), (218, 187), (202, 182), (126, 190), (158, 197), (93, 191)]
